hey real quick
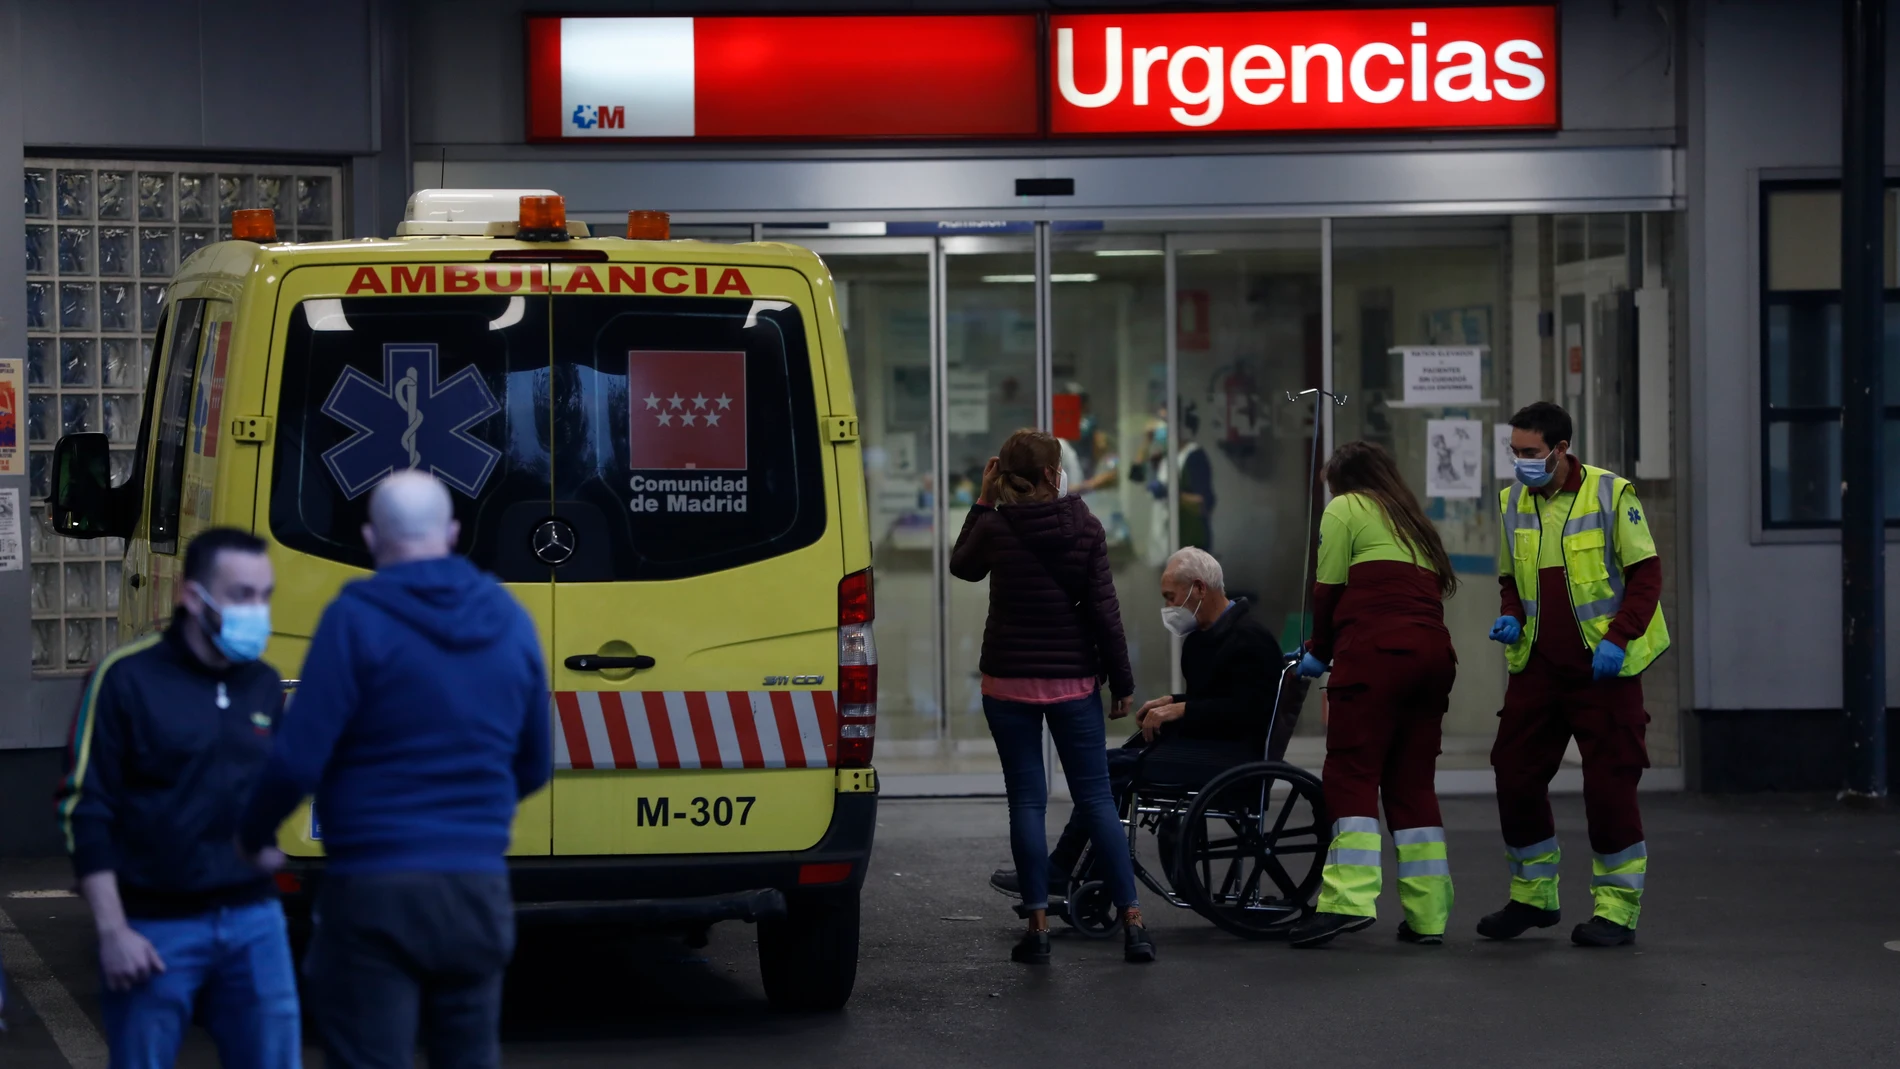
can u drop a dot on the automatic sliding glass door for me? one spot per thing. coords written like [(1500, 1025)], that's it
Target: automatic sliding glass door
[(988, 390), (885, 292)]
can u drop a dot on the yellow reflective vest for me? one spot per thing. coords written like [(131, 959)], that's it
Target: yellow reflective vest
[(1591, 570)]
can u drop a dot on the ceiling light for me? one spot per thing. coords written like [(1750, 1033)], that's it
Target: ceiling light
[(1080, 276), (1128, 252)]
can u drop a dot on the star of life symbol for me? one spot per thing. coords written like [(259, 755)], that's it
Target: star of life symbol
[(1635, 516), (411, 419)]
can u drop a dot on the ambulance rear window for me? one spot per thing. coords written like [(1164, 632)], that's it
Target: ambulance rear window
[(686, 435), (454, 385), (676, 436)]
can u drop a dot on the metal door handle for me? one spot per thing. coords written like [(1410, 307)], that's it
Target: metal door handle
[(595, 662)]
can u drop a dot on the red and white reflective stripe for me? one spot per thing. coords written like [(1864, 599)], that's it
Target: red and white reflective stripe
[(695, 729)]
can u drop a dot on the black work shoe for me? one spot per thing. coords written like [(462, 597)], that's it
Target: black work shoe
[(1320, 929), (1004, 880), (1032, 948), (1515, 919), (1407, 935), (1602, 932), (1137, 947)]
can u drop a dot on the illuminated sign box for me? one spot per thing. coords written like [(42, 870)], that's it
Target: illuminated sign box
[(990, 77), (819, 77), (1306, 71)]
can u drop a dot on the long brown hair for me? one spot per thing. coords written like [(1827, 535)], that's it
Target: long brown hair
[(1020, 465), (1366, 468)]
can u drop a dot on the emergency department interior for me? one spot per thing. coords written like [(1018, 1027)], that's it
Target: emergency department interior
[(1162, 353), (1659, 263)]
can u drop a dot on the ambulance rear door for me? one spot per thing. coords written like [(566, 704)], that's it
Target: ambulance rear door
[(384, 367), (696, 559)]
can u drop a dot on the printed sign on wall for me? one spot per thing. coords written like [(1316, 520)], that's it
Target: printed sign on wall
[(12, 416), (1454, 457), (1443, 374)]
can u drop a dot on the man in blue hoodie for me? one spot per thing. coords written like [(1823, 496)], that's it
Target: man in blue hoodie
[(421, 720)]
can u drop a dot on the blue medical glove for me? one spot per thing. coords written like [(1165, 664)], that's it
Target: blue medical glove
[(1608, 660), (1507, 630), (1158, 488), (1312, 667)]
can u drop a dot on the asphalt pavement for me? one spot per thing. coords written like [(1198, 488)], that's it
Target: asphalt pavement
[(1770, 937)]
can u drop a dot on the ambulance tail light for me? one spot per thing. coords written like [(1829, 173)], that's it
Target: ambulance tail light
[(254, 224), (857, 672), (543, 218), (649, 226)]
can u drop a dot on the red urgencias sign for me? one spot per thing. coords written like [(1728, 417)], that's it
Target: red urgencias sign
[(1261, 71), (838, 77)]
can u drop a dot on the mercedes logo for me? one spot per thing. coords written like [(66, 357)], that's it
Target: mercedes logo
[(554, 541)]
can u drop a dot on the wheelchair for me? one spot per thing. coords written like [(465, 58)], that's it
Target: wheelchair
[(1242, 844)]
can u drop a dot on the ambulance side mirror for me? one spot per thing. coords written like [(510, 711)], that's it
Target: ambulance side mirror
[(84, 504)]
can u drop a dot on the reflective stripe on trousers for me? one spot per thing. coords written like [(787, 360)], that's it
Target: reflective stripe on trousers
[(1349, 883), (1616, 882), (1534, 873), (1424, 879)]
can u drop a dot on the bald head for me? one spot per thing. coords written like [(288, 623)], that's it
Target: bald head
[(410, 518)]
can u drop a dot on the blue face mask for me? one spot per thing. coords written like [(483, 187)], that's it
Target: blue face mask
[(1534, 473), (242, 629)]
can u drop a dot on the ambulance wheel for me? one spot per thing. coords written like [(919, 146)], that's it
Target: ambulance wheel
[(1252, 848), (809, 957)]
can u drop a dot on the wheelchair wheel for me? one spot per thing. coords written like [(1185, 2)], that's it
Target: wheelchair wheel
[(1092, 910), (1252, 847)]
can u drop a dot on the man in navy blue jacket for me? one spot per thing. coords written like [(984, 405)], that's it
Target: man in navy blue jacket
[(420, 721), (172, 731)]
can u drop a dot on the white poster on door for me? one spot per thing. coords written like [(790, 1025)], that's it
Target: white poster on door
[(1443, 374), (12, 554), (968, 397), (1501, 456), (1454, 457)]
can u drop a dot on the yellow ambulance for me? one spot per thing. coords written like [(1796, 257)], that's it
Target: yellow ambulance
[(652, 443)]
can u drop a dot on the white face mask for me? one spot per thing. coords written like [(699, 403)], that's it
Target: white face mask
[(1180, 619), (1062, 483)]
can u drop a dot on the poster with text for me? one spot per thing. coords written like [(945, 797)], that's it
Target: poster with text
[(1443, 374), (967, 410), (12, 553), (12, 417), (1454, 457)]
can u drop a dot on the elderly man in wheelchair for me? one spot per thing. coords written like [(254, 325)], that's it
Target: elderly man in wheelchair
[(1238, 832)]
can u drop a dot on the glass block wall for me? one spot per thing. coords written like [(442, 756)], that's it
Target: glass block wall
[(102, 240)]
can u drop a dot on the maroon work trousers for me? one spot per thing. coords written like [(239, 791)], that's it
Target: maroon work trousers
[(1385, 706), (1544, 706)]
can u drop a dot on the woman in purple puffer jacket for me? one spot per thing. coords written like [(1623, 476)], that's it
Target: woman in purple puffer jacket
[(1053, 636)]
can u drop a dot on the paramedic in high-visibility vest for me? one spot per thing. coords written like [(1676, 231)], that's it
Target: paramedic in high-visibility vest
[(1581, 621)]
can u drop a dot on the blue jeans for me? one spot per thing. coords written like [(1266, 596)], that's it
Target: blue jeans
[(232, 968), (1081, 742)]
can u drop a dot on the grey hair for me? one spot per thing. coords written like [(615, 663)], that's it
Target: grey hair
[(1194, 563)]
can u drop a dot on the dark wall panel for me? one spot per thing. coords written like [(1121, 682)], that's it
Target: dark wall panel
[(217, 75)]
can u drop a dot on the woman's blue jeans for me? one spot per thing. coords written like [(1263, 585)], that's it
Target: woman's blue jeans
[(1081, 742)]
